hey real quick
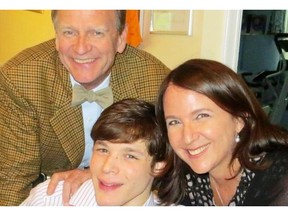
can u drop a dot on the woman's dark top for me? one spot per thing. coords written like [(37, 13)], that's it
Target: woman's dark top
[(256, 188)]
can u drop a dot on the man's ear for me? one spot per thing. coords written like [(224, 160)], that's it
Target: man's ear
[(57, 43), (158, 168), (122, 40)]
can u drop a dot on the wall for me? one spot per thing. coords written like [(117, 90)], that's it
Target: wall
[(21, 29), (206, 40)]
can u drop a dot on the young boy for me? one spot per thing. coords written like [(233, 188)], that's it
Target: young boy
[(129, 157)]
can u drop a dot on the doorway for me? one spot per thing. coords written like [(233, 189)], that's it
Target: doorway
[(258, 53), (257, 50)]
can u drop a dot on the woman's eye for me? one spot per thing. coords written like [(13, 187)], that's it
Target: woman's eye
[(202, 115), (173, 122)]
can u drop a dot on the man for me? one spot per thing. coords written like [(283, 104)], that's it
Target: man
[(128, 154), (41, 131)]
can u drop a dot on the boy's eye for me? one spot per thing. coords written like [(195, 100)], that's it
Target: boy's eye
[(102, 150), (131, 156)]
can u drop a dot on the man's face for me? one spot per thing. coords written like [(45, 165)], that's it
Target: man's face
[(121, 173), (87, 42)]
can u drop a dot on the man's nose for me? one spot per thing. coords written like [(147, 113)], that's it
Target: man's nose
[(82, 45)]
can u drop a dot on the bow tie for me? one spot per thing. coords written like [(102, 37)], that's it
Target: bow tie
[(103, 97)]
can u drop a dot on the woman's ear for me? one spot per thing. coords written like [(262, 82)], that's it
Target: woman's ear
[(239, 124)]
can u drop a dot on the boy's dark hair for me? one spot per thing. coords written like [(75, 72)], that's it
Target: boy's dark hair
[(130, 120)]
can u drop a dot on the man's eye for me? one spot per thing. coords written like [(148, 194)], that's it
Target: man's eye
[(97, 33), (68, 33)]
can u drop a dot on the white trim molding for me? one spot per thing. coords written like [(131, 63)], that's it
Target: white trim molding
[(232, 38)]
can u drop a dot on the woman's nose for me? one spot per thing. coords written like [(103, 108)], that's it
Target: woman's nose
[(189, 134)]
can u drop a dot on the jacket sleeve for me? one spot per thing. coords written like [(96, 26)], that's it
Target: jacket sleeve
[(19, 155)]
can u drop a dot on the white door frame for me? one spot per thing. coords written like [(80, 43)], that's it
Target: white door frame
[(232, 33)]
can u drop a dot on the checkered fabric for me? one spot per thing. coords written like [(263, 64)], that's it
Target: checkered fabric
[(40, 131)]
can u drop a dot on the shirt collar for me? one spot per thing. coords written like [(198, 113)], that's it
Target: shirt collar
[(151, 201), (102, 85)]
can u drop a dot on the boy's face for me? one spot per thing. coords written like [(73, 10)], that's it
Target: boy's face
[(121, 173)]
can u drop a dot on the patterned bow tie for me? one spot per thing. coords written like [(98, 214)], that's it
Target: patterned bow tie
[(103, 97)]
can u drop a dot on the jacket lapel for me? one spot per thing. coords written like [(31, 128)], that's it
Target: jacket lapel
[(67, 121), (67, 124), (122, 83)]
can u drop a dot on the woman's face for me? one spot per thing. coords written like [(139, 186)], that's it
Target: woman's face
[(200, 132)]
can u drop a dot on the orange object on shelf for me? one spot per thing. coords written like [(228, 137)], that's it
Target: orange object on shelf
[(133, 36)]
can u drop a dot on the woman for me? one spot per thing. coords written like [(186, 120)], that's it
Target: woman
[(227, 152)]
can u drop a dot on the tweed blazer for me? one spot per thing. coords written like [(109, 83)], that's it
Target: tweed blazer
[(40, 131)]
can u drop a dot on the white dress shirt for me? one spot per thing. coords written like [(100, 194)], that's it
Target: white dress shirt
[(84, 196), (90, 113)]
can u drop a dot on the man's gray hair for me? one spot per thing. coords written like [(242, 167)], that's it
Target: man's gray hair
[(120, 19)]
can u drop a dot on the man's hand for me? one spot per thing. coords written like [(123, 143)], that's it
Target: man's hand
[(73, 179)]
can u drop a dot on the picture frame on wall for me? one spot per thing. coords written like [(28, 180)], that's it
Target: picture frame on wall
[(258, 24), (254, 24), (176, 22)]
